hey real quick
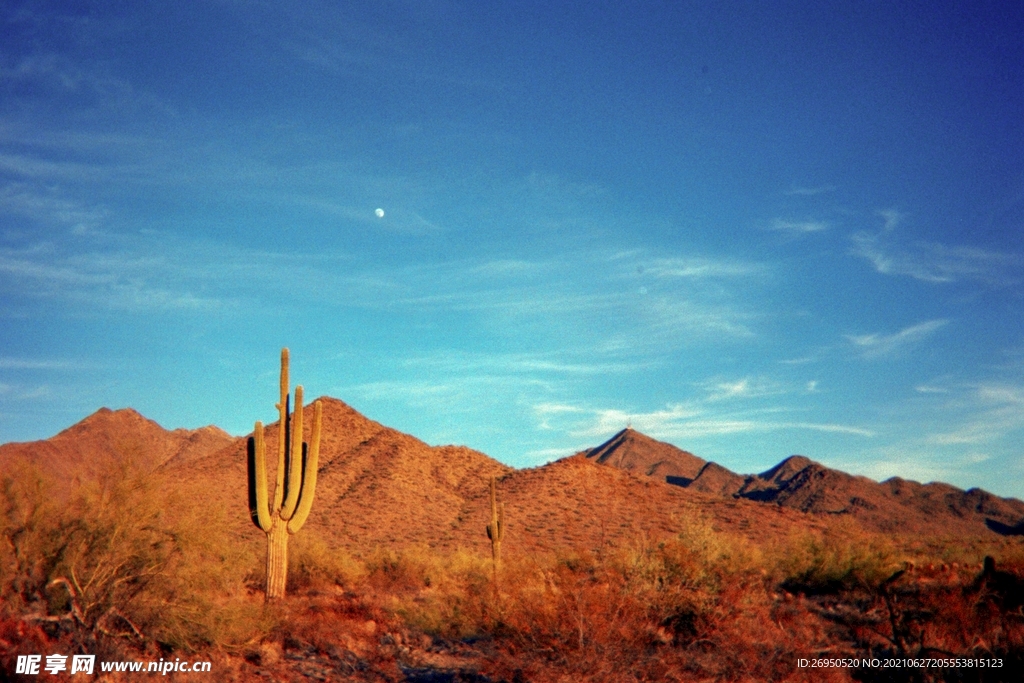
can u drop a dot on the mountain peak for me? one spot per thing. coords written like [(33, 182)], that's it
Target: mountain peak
[(636, 452), (786, 469), (107, 435)]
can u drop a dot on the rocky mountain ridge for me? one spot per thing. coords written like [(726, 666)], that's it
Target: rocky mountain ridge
[(799, 483), (380, 488)]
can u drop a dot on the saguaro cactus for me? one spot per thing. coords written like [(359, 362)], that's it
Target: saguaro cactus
[(296, 482), (496, 529)]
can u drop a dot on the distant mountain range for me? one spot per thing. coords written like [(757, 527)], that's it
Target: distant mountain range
[(802, 484), (378, 487), (113, 435)]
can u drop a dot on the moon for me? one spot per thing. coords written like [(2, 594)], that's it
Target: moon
[(380, 213)]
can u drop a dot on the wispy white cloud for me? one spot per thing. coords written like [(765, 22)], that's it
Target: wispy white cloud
[(552, 291), (541, 455), (697, 267), (992, 411), (36, 167), (932, 261), (798, 227), (926, 461), (508, 267), (111, 280), (963, 434), (41, 391), (519, 363), (49, 208), (11, 363), (744, 388), (823, 427), (892, 218), (683, 421), (917, 466), (674, 317), (557, 409), (809, 191), (88, 85), (877, 344)]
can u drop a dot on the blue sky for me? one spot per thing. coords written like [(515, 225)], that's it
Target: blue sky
[(749, 229)]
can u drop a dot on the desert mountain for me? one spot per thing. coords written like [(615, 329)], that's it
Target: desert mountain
[(576, 504), (895, 505), (638, 453), (375, 486), (378, 487), (113, 434)]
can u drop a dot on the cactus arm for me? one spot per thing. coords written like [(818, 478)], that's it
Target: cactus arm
[(491, 527), (296, 482), (309, 475), (258, 480), (496, 529), (282, 432), (294, 485)]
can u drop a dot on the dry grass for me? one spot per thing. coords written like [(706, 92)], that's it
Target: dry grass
[(129, 567)]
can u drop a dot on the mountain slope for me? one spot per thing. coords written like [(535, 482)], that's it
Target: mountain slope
[(375, 485), (895, 505), (576, 504), (378, 487), (107, 435), (638, 453)]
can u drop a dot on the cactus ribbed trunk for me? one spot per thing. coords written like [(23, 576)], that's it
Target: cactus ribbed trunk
[(277, 559), (496, 553), (297, 464), (496, 531)]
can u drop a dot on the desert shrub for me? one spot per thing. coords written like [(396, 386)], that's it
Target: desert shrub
[(459, 601), (842, 556), (401, 570), (83, 562), (205, 596), (314, 566), (698, 606), (121, 560), (27, 537), (449, 595)]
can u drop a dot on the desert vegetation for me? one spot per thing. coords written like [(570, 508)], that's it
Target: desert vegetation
[(129, 566), (296, 481)]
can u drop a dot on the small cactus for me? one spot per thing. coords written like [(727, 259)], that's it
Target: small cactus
[(496, 529), (296, 482)]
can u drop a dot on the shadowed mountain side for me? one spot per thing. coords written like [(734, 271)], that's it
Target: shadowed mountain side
[(375, 485), (713, 478), (91, 444), (895, 506), (937, 498), (638, 453)]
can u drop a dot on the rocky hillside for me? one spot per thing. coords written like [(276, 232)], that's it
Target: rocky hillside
[(113, 435), (895, 505)]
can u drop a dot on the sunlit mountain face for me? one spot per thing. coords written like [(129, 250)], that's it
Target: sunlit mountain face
[(749, 231)]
